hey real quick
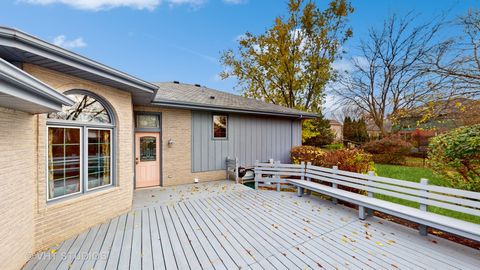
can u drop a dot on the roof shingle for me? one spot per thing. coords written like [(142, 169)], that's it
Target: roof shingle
[(180, 94)]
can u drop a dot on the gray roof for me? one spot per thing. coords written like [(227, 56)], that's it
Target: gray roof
[(181, 95), (21, 91)]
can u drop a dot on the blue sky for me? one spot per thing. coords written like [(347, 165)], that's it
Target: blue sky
[(180, 39)]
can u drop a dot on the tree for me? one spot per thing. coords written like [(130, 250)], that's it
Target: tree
[(361, 132), (389, 74), (458, 58), (317, 132), (290, 63), (355, 130), (348, 129)]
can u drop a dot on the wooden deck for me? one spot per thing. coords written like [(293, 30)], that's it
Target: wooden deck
[(241, 228)]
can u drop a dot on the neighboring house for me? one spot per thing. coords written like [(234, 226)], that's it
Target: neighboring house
[(439, 116), (337, 129), (77, 137)]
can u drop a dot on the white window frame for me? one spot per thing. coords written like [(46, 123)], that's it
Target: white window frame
[(86, 158), (47, 162)]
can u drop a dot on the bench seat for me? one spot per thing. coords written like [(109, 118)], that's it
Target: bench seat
[(444, 223)]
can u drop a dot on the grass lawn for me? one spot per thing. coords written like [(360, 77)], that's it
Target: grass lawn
[(414, 174)]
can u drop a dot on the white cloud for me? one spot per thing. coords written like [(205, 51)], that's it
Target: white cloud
[(342, 65), (62, 41), (348, 65), (239, 37), (97, 5), (186, 2)]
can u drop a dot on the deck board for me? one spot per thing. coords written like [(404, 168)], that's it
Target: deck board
[(241, 228)]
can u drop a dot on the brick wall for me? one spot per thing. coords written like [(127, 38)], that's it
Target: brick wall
[(59, 220), (39, 224), (17, 192), (177, 160)]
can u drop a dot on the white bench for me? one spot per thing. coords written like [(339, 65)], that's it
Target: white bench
[(276, 174), (426, 195)]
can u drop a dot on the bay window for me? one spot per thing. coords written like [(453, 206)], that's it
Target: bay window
[(79, 149)]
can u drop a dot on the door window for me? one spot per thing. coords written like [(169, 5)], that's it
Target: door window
[(148, 148)]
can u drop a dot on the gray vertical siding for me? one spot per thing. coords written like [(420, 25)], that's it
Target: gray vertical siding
[(250, 138)]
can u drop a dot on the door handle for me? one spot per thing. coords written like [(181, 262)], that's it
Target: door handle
[(136, 160)]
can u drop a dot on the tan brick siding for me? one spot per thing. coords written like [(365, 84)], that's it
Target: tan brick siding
[(59, 220), (17, 187), (177, 160), (23, 172)]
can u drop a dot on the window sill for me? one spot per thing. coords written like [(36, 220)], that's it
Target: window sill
[(78, 198)]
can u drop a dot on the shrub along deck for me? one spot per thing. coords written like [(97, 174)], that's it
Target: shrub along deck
[(232, 228), (414, 174)]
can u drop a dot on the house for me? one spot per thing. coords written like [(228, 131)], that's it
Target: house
[(438, 117), (77, 137), (337, 129)]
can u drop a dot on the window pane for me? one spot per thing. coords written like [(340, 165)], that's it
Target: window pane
[(148, 149), (85, 109), (99, 158), (72, 136), (63, 161), (220, 126), (148, 121)]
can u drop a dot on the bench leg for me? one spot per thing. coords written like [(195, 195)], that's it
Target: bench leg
[(300, 191), (256, 185), (279, 187), (361, 212), (423, 230)]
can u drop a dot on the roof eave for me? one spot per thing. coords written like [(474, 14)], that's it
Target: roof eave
[(28, 93), (35, 45), (20, 78), (196, 106)]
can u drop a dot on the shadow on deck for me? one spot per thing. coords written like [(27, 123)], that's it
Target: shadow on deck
[(220, 225)]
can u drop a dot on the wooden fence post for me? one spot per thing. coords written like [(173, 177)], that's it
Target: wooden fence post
[(227, 161), (370, 194), (334, 185), (276, 177), (308, 192), (257, 175), (423, 228)]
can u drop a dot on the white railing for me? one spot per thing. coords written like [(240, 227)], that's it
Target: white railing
[(275, 174), (338, 184)]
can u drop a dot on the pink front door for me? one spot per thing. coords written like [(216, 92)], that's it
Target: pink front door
[(147, 159)]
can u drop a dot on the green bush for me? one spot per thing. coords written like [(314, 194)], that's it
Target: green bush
[(456, 156), (389, 150), (305, 153)]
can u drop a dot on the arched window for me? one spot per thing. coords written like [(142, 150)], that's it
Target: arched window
[(80, 152)]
